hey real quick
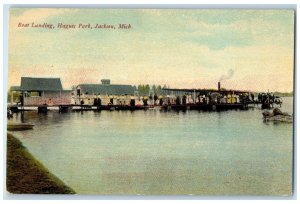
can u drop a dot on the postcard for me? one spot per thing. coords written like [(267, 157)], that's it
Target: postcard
[(150, 101)]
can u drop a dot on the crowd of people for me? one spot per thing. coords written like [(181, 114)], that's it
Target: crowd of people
[(188, 98)]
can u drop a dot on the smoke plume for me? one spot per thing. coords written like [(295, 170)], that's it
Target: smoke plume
[(229, 74)]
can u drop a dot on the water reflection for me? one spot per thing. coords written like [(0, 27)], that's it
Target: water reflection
[(163, 152)]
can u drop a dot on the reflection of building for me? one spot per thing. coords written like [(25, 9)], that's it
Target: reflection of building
[(108, 93), (41, 91)]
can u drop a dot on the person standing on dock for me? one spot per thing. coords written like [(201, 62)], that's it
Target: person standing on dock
[(99, 102), (204, 99), (252, 97), (111, 100), (161, 100), (145, 100), (22, 100), (132, 101), (155, 99), (184, 100), (218, 99), (199, 99), (209, 99), (168, 101), (177, 100), (95, 100)]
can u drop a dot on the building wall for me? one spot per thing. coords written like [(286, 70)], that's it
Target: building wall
[(105, 99), (50, 98)]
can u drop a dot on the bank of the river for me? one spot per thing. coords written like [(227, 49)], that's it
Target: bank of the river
[(26, 175)]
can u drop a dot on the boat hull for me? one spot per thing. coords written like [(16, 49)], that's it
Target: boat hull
[(19, 127)]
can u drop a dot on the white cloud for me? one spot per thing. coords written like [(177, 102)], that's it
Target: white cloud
[(161, 57), (34, 14)]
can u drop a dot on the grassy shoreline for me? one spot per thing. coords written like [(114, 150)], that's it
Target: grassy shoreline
[(26, 175)]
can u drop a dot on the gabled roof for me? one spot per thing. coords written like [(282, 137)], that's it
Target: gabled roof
[(102, 89), (40, 84), (15, 88)]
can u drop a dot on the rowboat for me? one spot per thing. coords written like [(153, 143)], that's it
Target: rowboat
[(19, 126), (277, 115)]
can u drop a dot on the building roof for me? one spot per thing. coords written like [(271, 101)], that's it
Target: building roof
[(206, 91), (15, 88), (111, 89), (40, 84)]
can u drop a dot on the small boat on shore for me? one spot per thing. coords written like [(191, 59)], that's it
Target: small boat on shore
[(19, 126)]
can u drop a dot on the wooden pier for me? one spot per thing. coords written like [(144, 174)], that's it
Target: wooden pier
[(72, 107), (206, 107), (68, 107), (44, 94)]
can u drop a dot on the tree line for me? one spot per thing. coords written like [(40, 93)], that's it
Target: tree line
[(144, 89)]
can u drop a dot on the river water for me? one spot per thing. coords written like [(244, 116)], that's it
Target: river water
[(164, 153)]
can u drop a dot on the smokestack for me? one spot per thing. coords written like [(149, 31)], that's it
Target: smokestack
[(219, 86)]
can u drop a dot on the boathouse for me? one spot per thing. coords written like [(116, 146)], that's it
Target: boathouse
[(114, 94), (41, 91)]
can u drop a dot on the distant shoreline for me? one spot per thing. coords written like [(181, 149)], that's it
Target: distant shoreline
[(26, 175)]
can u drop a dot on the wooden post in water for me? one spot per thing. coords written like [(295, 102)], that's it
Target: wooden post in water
[(23, 99), (12, 97)]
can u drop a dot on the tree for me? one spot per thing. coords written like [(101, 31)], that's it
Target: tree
[(154, 88), (16, 96), (140, 88), (147, 89), (158, 89)]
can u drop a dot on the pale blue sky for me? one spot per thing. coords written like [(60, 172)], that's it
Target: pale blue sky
[(182, 48)]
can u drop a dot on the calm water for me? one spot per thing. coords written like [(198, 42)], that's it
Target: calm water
[(155, 152)]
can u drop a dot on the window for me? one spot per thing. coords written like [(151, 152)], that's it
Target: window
[(35, 94)]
